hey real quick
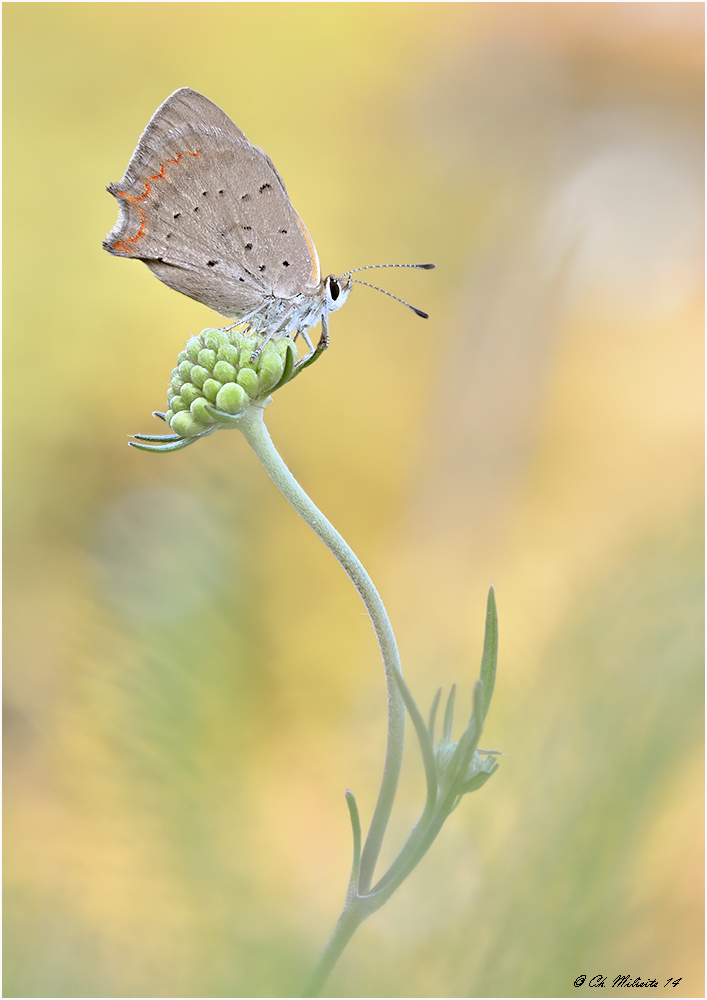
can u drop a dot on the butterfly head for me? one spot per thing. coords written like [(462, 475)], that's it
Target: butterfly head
[(337, 291)]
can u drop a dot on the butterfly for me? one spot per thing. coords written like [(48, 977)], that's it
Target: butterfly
[(210, 216)]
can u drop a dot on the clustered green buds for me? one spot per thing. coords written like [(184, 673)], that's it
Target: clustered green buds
[(216, 379)]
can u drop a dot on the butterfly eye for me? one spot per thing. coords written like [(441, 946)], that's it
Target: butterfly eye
[(334, 289)]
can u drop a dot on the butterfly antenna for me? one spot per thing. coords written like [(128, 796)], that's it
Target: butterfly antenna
[(356, 281), (423, 267)]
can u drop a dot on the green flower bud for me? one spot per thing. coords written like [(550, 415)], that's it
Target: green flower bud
[(482, 765), (229, 353), (247, 352), (198, 376), (215, 370), (200, 413), (248, 378), (224, 371), (270, 369), (192, 348), (210, 389), (207, 359), (213, 338), (189, 393), (185, 425), (232, 398)]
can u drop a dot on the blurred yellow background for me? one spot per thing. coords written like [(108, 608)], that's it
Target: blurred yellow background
[(190, 682)]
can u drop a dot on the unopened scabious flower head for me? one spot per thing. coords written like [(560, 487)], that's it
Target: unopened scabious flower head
[(216, 379)]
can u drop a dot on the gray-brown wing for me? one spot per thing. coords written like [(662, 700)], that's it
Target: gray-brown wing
[(208, 212), (184, 106)]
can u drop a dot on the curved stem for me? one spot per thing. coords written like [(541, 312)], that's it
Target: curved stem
[(346, 927), (257, 436)]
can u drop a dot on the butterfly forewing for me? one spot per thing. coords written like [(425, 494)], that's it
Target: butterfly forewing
[(209, 214)]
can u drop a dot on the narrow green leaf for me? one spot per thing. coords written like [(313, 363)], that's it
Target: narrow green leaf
[(449, 715), (469, 739), (490, 653), (433, 715), (287, 371), (164, 438), (172, 442), (356, 830), (174, 446), (228, 419)]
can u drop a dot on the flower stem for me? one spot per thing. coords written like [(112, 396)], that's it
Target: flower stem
[(446, 782), (257, 436)]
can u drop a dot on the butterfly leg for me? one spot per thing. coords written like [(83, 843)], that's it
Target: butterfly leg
[(309, 359), (273, 333), (305, 337), (324, 339), (241, 321)]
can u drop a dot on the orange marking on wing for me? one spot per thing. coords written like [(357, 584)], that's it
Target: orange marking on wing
[(315, 276), (148, 188), (122, 246)]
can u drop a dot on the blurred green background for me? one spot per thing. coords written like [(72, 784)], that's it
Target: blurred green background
[(190, 682)]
